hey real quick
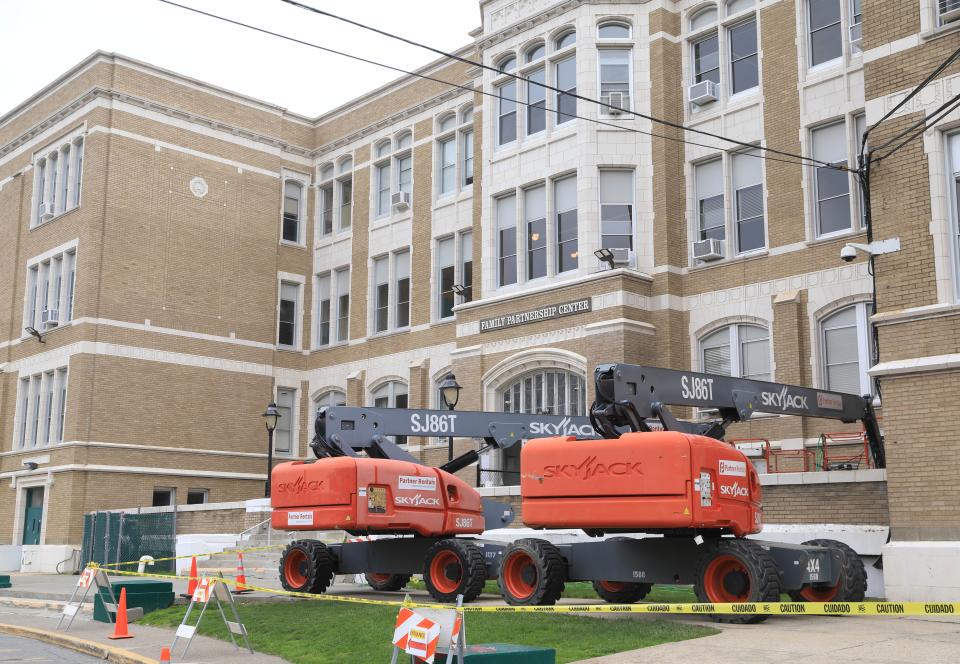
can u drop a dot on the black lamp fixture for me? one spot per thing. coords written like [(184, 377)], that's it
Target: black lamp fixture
[(33, 332), (459, 290), (270, 417), (604, 255), (450, 393)]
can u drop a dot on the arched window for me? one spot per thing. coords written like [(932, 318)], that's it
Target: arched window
[(383, 149), (466, 114), (614, 30), (737, 350), (404, 140), (565, 39), (535, 52), (346, 165), (508, 64), (551, 391), (447, 123), (331, 398), (326, 172), (845, 339), (736, 6), (392, 394), (703, 18)]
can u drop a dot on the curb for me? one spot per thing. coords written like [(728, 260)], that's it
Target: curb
[(49, 605), (108, 653)]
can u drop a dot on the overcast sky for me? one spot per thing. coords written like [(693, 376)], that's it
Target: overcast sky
[(40, 39)]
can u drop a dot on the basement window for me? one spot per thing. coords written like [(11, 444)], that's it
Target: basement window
[(198, 496)]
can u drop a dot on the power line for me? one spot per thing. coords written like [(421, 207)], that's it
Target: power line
[(926, 121), (467, 88), (454, 56)]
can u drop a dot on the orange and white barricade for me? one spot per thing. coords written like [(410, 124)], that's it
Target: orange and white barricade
[(421, 632)]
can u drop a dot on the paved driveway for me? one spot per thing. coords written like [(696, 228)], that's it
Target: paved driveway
[(16, 649)]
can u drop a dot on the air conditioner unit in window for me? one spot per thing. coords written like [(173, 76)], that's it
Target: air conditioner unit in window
[(856, 34), (708, 250), (46, 211), (703, 93), (617, 102), (400, 200), (50, 318), (621, 255)]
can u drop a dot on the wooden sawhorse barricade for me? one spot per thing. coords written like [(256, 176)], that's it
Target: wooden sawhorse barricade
[(94, 577), (207, 589)]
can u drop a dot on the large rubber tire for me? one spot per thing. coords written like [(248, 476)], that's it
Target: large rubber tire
[(532, 573), (386, 582), (454, 567), (850, 587), (736, 570), (621, 592), (306, 566)]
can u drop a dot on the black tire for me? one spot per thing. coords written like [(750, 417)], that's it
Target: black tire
[(850, 587), (617, 592), (387, 582), (306, 566), (532, 573), (736, 570), (454, 567)]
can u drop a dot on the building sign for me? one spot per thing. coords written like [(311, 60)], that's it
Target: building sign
[(548, 312)]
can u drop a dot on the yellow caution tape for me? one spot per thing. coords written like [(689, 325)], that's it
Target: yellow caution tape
[(747, 608), (190, 555)]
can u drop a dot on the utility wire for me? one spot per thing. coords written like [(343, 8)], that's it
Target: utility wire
[(470, 89), (454, 56), (927, 121)]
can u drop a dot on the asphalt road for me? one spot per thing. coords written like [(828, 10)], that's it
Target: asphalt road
[(16, 649)]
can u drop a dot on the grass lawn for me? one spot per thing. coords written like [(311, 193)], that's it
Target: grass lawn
[(317, 632), (660, 594)]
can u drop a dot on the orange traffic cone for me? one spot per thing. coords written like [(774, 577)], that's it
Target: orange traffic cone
[(165, 656), (241, 586), (192, 585), (120, 628)]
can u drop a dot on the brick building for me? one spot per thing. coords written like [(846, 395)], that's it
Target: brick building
[(189, 254)]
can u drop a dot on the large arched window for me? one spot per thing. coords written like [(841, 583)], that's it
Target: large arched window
[(331, 398), (737, 350), (551, 391), (845, 341), (392, 394)]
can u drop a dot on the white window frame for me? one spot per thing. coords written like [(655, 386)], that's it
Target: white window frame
[(611, 46), (297, 281), (542, 373), (393, 293), (40, 410), (325, 398), (847, 48), (338, 334), (633, 204), (952, 149), (304, 185), (65, 257), (204, 492), (853, 189), (736, 347), (864, 345), (294, 450), (720, 28), (499, 114), (60, 188), (613, 21), (392, 387)]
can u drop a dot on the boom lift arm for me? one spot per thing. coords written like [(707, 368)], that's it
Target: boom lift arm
[(627, 395)]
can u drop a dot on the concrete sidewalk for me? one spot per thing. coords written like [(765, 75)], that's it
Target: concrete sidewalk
[(147, 641), (810, 639)]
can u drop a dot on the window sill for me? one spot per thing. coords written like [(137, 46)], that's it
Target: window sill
[(330, 346), (389, 333), (292, 245), (833, 237), (739, 258), (70, 323), (940, 31), (54, 218), (288, 349), (330, 240)]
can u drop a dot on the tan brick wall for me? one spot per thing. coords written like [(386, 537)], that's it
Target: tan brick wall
[(860, 503)]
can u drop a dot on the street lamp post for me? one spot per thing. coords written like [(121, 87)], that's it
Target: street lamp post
[(270, 417), (450, 393)]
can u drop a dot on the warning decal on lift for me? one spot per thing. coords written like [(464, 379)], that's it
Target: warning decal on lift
[(377, 500)]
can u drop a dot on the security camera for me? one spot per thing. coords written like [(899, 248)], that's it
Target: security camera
[(848, 253), (31, 465)]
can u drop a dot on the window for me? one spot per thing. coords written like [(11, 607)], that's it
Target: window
[(449, 146), (447, 123), (832, 186), (948, 11), (507, 113), (706, 60), (383, 189), (748, 201), (405, 173), (402, 267), (51, 283), (466, 139), (197, 496), (737, 350), (552, 391), (287, 327), (710, 210), (743, 56), (845, 336), (565, 40), (826, 39), (448, 165), (856, 24), (565, 202), (614, 79), (507, 239), (292, 201), (616, 209), (283, 435), (953, 170), (566, 80), (326, 209), (333, 307), (399, 166), (737, 6), (164, 497), (536, 52), (535, 216), (703, 18), (466, 265), (56, 185), (537, 100), (508, 64), (392, 269), (331, 398), (41, 409), (613, 30), (381, 275), (391, 395), (346, 202), (336, 198), (446, 268)]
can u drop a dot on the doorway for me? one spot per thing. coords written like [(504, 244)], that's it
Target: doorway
[(33, 515)]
